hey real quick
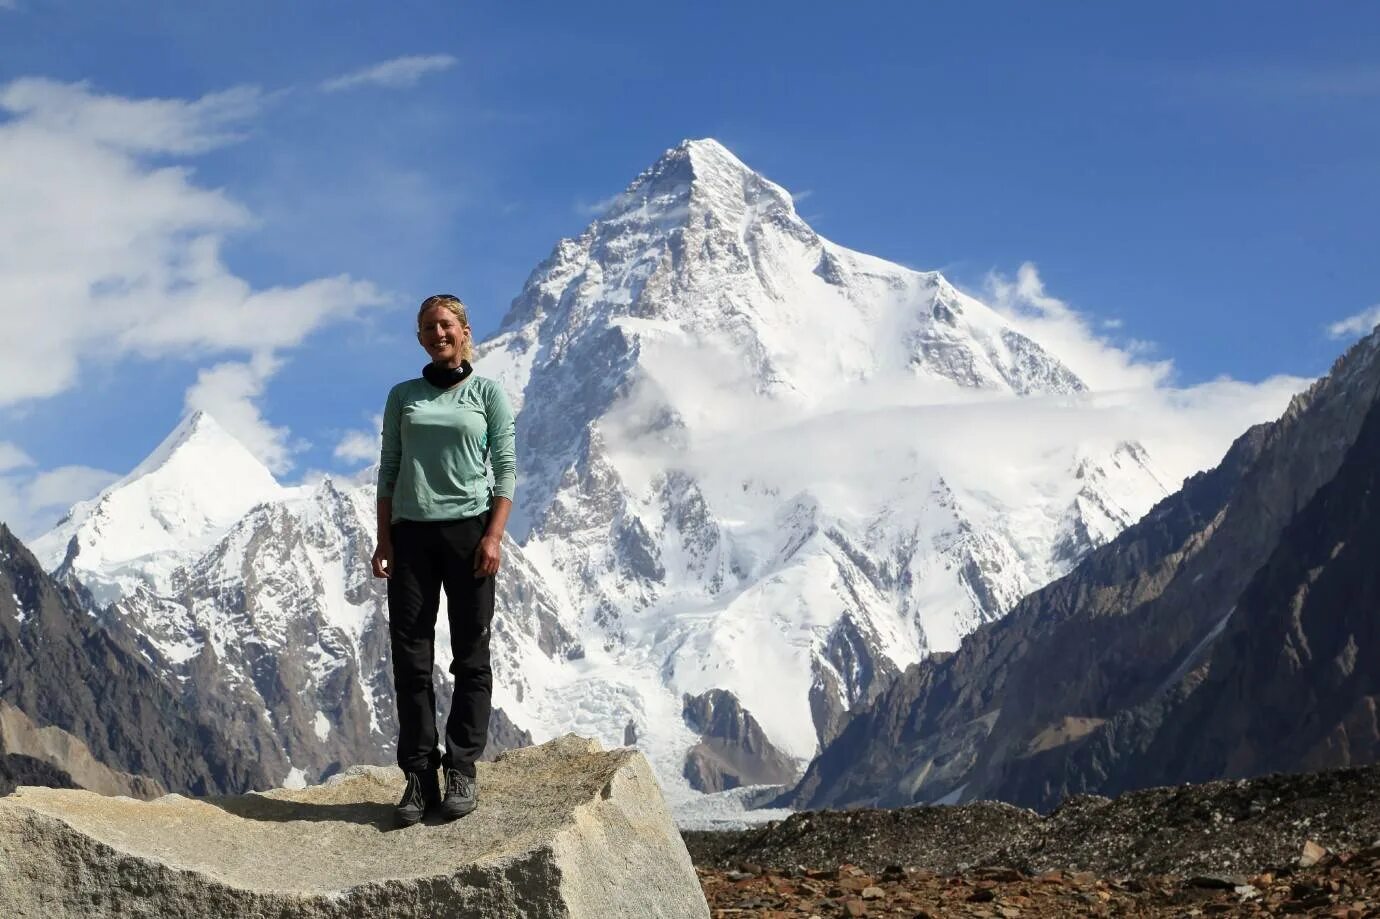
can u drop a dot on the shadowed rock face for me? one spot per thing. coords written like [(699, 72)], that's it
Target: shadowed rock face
[(504, 735), (1230, 632), (18, 769), (62, 667), (66, 757), (562, 830), (733, 749), (1294, 679)]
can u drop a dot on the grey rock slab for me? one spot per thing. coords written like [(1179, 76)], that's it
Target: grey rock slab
[(563, 830)]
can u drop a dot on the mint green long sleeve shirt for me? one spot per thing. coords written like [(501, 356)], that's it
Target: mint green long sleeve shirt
[(435, 446)]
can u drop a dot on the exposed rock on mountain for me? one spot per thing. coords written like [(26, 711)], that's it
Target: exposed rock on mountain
[(62, 667), (67, 756), (733, 750), (19, 769), (562, 830), (1230, 632)]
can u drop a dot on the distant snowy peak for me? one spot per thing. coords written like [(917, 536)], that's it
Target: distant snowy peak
[(702, 251), (697, 178), (194, 485)]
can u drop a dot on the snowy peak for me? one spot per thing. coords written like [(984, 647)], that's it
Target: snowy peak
[(696, 178), (702, 250), (182, 497), (200, 443)]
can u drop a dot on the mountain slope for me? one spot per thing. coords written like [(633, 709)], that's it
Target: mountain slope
[(746, 454), (61, 667), (282, 630), (163, 514), (1176, 652)]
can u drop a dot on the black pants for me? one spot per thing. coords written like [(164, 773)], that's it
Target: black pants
[(425, 557)]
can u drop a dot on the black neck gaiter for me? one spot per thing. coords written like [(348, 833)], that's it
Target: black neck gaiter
[(443, 377)]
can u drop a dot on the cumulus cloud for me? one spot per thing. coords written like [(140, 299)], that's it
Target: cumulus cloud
[(110, 249), (1133, 397), (1102, 364), (360, 446), (229, 393), (398, 73), (31, 502), (1360, 324), (11, 457), (60, 488), (131, 125)]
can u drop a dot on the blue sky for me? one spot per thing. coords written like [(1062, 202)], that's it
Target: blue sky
[(1197, 180)]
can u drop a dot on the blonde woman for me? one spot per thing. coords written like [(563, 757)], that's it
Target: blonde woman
[(440, 523)]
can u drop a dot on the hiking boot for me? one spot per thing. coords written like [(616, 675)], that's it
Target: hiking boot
[(422, 792), (462, 795)]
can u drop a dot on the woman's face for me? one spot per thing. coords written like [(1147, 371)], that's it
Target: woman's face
[(442, 335)]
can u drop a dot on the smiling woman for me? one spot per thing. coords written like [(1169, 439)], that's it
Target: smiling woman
[(440, 523)]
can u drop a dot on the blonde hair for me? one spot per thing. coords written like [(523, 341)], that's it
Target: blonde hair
[(452, 304)]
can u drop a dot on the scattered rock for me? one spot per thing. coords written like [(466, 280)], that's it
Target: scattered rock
[(1312, 854), (1221, 849), (1262, 824)]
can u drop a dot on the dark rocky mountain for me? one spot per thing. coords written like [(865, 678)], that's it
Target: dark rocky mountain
[(63, 666), (19, 769), (1230, 632), (733, 749)]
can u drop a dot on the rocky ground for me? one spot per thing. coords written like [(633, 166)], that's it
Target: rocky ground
[(1279, 845)]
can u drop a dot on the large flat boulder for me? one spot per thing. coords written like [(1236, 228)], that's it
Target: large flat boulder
[(563, 830)]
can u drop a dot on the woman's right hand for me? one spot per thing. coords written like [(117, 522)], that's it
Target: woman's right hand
[(383, 559)]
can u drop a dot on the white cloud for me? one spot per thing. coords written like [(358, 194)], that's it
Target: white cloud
[(360, 446), (1070, 335), (108, 252), (31, 503), (132, 125), (11, 457), (597, 208), (1360, 324), (228, 392), (64, 486), (398, 73)]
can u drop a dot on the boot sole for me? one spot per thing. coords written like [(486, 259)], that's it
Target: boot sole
[(455, 812)]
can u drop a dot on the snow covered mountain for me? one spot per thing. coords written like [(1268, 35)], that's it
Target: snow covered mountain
[(760, 474), (752, 459), (162, 515)]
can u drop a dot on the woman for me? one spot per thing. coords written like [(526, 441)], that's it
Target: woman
[(441, 524)]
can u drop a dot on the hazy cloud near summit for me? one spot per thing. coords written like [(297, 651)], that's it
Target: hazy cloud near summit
[(1356, 325), (1186, 428), (1071, 335)]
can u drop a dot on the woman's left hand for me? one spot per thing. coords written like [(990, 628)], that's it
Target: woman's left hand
[(486, 557)]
